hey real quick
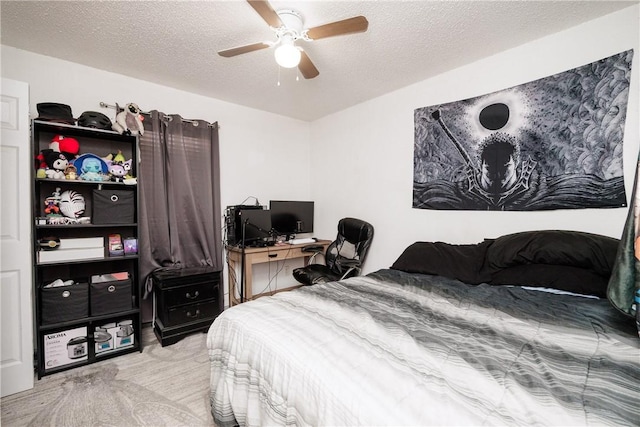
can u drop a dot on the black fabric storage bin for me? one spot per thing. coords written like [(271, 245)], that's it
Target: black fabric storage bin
[(113, 207), (64, 303), (110, 297)]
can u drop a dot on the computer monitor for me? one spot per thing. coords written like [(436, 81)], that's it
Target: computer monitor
[(257, 225), (291, 217)]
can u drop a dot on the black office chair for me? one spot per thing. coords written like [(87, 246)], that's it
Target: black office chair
[(344, 256)]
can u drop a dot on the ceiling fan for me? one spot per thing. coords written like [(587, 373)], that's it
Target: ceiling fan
[(288, 28)]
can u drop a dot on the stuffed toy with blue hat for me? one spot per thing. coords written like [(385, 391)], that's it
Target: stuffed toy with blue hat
[(91, 168)]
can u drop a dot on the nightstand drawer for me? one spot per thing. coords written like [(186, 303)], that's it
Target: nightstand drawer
[(190, 294), (191, 313), (164, 279), (185, 301)]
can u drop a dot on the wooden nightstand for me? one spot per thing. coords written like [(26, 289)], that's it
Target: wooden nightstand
[(185, 301)]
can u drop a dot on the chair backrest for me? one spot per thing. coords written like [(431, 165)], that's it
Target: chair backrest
[(350, 247)]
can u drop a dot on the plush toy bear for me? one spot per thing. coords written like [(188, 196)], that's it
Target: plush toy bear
[(129, 120)]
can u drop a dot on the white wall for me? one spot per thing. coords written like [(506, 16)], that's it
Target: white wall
[(252, 142), (363, 156)]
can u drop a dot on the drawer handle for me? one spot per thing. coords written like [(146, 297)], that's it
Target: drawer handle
[(195, 295), (193, 315)]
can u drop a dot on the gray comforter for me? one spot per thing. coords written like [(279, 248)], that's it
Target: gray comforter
[(393, 348)]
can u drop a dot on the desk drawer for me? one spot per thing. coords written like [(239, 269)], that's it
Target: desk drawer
[(276, 255), (191, 313), (190, 294)]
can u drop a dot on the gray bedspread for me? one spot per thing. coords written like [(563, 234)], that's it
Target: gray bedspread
[(393, 348)]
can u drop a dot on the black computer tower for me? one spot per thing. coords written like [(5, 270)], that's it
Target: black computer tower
[(234, 223)]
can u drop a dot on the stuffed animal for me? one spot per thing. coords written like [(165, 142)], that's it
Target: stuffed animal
[(71, 172), (55, 163), (68, 146), (91, 170), (118, 157), (129, 120), (118, 170), (91, 167)]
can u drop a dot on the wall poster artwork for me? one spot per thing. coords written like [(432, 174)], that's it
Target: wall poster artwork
[(553, 143)]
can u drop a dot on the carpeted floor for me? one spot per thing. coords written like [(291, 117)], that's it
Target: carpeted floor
[(162, 386)]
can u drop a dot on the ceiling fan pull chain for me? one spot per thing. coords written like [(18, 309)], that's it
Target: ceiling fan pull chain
[(279, 75)]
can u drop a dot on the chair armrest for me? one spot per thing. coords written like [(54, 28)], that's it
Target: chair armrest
[(315, 250), (353, 265), (349, 271), (312, 259)]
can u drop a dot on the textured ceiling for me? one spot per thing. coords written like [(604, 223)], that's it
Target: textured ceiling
[(174, 43)]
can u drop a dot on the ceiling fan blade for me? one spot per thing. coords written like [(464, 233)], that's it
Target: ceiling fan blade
[(267, 13), (234, 51), (306, 67), (356, 24)]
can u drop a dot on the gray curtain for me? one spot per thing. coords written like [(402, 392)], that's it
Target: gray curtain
[(179, 190), (624, 284)]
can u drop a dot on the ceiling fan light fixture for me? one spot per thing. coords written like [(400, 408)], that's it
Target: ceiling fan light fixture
[(287, 55), (288, 27)]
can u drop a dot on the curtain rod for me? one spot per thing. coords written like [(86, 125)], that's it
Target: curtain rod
[(164, 116)]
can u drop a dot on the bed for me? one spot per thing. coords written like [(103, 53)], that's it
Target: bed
[(510, 331)]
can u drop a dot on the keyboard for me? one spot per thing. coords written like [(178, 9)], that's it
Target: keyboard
[(302, 241)]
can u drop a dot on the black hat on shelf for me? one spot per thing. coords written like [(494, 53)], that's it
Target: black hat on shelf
[(54, 112)]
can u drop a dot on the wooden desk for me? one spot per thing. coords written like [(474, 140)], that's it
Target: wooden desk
[(259, 256)]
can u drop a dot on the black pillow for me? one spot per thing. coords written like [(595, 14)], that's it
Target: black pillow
[(572, 279), (462, 262), (554, 247)]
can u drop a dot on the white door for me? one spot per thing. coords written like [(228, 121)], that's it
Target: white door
[(16, 318)]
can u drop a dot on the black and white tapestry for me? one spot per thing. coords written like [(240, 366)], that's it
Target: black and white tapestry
[(553, 143)]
